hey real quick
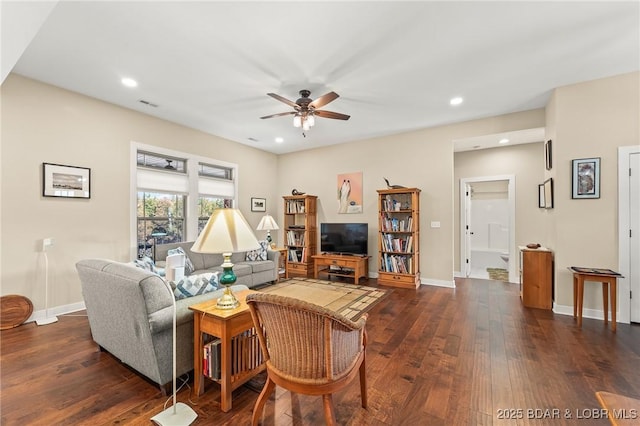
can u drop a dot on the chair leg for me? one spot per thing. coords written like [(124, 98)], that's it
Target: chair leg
[(268, 388), (329, 413), (363, 383)]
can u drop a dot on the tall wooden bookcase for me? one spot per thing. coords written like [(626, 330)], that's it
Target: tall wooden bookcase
[(399, 237), (301, 234)]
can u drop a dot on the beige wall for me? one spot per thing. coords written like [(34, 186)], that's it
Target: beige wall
[(42, 123), (587, 120), (423, 159), (526, 163)]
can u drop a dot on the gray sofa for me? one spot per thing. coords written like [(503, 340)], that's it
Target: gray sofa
[(249, 273), (130, 313)]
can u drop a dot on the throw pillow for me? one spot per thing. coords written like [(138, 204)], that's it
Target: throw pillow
[(188, 264), (148, 264), (195, 285), (258, 254)]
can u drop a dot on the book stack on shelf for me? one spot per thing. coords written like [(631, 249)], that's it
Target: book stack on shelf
[(211, 359)]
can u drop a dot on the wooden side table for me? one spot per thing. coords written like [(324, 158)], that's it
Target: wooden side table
[(621, 410), (230, 326), (608, 278)]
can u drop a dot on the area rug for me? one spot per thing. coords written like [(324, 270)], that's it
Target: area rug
[(498, 274), (347, 299)]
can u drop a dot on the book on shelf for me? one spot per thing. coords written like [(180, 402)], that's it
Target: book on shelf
[(211, 359)]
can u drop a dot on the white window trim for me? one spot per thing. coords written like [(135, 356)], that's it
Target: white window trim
[(191, 205)]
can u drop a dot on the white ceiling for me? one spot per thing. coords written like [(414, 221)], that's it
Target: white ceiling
[(395, 65)]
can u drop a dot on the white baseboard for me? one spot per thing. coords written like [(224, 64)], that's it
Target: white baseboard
[(438, 283), (586, 313), (56, 311)]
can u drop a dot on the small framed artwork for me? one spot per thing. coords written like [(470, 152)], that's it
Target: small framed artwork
[(258, 204), (65, 181), (585, 178), (541, 196), (547, 154), (548, 193)]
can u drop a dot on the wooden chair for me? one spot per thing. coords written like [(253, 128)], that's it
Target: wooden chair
[(307, 349)]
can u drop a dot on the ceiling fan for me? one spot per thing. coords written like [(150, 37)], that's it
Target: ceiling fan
[(306, 109)]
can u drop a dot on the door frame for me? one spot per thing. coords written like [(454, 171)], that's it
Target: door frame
[(513, 276), (624, 222)]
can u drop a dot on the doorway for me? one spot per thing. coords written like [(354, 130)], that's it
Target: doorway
[(487, 227), (629, 233)]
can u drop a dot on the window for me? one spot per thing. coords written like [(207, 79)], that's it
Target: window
[(175, 194), (160, 220), (162, 162)]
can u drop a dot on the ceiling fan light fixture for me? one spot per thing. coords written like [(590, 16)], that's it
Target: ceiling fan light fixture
[(311, 120), (297, 120), (305, 124)]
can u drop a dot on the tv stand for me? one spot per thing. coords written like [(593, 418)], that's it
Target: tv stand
[(348, 266)]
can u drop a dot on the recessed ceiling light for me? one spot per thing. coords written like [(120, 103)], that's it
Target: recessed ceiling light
[(279, 140), (456, 101), (129, 82), (505, 140)]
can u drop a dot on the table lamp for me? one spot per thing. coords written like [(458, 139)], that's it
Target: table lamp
[(267, 223), (226, 232)]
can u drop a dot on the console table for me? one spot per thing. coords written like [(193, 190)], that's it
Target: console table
[(351, 266), (608, 278), (230, 326)]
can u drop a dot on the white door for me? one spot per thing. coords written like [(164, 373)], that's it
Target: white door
[(634, 219), (468, 232)]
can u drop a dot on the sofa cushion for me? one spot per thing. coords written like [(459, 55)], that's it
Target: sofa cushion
[(195, 285), (259, 253), (188, 264), (260, 265)]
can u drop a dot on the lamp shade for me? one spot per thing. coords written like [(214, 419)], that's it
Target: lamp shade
[(227, 231), (267, 223)]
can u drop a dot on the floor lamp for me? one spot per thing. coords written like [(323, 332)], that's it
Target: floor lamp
[(226, 232), (267, 223), (180, 414), (47, 319)]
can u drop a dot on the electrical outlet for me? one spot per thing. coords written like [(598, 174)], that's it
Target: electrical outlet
[(47, 242)]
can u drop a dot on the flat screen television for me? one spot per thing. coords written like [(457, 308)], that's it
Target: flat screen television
[(344, 238)]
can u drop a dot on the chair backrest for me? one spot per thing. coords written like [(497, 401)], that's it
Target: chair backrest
[(304, 342)]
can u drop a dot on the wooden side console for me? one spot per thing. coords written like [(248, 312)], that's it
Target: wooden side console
[(344, 266)]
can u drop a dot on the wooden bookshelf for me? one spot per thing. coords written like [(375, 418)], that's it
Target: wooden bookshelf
[(399, 237), (301, 234)]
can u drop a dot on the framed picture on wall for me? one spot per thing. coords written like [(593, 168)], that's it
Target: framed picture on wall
[(548, 193), (585, 178), (547, 154), (65, 181), (541, 196), (258, 204)]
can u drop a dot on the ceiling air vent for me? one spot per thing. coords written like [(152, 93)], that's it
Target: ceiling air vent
[(142, 101)]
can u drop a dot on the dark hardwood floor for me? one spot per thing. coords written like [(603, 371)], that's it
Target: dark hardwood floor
[(436, 356)]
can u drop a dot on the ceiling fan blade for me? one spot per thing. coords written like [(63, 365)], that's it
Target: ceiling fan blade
[(285, 100), (323, 100), (279, 115), (331, 114)]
